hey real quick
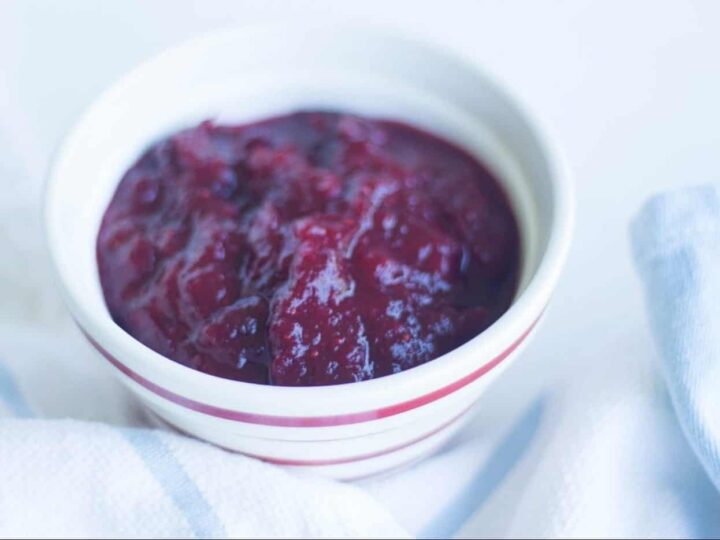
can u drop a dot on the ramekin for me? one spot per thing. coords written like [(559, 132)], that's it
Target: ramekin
[(343, 431)]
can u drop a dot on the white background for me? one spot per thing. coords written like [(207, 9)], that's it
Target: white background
[(629, 89)]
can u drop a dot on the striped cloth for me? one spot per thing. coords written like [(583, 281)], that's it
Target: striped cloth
[(78, 458)]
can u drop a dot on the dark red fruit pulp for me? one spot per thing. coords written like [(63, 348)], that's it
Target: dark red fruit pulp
[(310, 249)]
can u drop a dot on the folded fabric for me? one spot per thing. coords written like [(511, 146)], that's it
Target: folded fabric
[(82, 478), (67, 478), (677, 247), (634, 454)]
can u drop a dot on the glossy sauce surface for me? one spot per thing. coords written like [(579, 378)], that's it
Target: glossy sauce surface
[(309, 249)]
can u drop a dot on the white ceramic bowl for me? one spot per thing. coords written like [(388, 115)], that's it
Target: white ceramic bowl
[(344, 431)]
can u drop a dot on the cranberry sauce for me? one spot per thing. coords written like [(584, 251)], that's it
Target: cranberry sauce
[(310, 249)]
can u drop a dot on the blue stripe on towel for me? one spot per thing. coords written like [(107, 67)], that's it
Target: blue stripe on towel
[(10, 394), (479, 489), (170, 474)]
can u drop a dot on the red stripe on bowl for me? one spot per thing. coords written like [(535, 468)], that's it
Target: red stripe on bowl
[(362, 457), (311, 421)]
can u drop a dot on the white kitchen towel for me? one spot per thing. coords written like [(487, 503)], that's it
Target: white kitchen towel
[(66, 478), (677, 244), (633, 451), (83, 478)]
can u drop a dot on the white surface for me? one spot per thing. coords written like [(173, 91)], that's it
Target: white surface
[(630, 90)]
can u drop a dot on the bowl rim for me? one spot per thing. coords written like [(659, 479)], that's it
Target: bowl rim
[(524, 310)]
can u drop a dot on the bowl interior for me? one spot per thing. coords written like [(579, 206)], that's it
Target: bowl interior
[(244, 75)]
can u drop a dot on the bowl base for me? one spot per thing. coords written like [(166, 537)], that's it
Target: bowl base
[(382, 463)]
